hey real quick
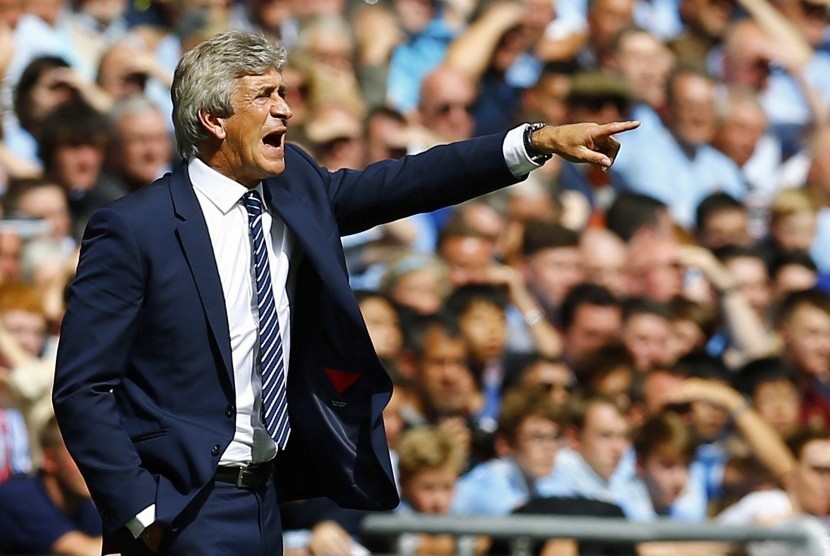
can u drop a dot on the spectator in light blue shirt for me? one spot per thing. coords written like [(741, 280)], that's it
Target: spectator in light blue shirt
[(597, 435), (527, 441), (664, 449), (676, 164)]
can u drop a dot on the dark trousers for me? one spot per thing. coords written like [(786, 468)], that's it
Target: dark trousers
[(228, 521)]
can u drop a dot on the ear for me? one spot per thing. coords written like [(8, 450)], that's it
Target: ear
[(214, 125), (572, 438), (502, 446)]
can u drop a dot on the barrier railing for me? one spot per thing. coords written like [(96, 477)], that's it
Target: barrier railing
[(521, 531)]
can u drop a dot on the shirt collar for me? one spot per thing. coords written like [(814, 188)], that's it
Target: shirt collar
[(220, 190)]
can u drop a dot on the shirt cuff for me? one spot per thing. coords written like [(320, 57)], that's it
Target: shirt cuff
[(515, 155), (144, 519)]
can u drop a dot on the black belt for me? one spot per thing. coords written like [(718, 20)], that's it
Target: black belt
[(251, 476)]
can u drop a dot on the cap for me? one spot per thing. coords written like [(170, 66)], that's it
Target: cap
[(594, 85)]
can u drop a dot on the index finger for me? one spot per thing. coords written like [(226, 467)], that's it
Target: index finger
[(605, 130)]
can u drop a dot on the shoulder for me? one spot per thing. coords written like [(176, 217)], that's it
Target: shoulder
[(765, 503)]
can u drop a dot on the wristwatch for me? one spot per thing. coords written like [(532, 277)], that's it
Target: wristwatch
[(532, 151)]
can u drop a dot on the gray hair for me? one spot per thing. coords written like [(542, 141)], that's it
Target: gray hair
[(207, 76), (130, 106)]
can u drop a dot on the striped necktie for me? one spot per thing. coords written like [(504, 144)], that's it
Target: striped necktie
[(271, 364)]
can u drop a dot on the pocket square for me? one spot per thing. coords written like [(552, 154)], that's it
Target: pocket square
[(341, 380)]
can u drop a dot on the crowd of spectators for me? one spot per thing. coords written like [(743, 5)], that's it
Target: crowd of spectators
[(648, 342)]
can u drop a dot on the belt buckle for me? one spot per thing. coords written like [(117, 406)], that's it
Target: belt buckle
[(240, 479)]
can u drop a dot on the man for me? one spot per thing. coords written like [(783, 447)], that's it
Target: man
[(527, 441), (597, 435), (645, 331), (805, 496), (158, 388), (51, 512), (141, 148), (803, 326), (688, 168), (591, 318)]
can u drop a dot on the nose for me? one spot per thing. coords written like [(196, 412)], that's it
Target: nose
[(280, 108)]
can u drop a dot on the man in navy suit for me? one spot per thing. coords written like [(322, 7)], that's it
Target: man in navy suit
[(213, 360)]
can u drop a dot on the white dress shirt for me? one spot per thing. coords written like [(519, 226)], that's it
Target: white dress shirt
[(227, 224)]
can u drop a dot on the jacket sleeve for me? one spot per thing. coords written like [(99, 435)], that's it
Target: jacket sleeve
[(97, 334), (392, 189)]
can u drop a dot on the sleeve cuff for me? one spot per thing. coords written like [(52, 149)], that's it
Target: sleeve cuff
[(515, 156), (144, 519)]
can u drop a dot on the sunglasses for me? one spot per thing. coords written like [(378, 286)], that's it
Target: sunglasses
[(445, 108)]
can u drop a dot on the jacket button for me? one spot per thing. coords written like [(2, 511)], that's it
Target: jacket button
[(229, 410), (215, 450)]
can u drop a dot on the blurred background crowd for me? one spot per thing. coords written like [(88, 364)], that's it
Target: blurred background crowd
[(650, 342)]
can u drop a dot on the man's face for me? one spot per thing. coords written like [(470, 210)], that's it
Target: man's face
[(739, 133), (468, 259), (753, 281), (665, 474), (812, 478), (445, 380), (604, 439), (711, 16), (778, 402), (554, 378), (604, 262), (806, 337), (709, 419), (607, 19), (430, 491), (144, 146), (553, 272), (593, 327), (252, 139), (654, 270), (485, 329), (646, 336), (725, 227), (78, 166), (446, 106), (644, 63), (48, 203), (692, 110), (536, 444)]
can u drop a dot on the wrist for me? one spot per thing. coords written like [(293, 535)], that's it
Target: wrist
[(533, 316), (739, 408), (534, 153), (728, 289)]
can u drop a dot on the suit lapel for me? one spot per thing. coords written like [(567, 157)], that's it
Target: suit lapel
[(194, 239)]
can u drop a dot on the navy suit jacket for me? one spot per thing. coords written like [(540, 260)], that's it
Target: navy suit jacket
[(144, 390)]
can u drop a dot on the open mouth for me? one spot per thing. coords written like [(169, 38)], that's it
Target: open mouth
[(274, 139)]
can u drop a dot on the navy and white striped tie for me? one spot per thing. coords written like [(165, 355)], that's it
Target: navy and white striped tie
[(271, 364)]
